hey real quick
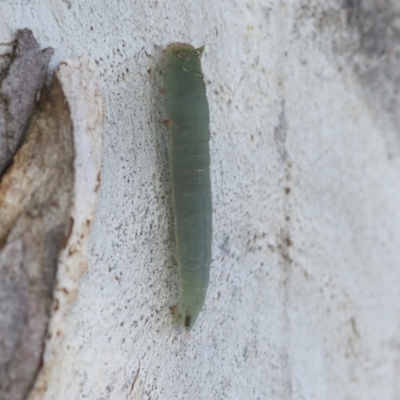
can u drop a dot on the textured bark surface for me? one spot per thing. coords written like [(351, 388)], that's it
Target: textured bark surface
[(35, 199), (303, 300), (22, 81)]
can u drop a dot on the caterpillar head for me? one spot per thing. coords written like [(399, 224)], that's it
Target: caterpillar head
[(185, 51)]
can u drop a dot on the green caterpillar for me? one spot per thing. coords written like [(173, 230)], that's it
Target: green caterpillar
[(188, 117)]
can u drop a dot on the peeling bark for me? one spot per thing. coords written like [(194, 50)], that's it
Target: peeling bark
[(24, 78), (35, 200), (81, 87)]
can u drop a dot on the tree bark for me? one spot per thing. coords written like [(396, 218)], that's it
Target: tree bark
[(303, 300)]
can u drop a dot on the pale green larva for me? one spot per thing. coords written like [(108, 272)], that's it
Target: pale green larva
[(188, 118)]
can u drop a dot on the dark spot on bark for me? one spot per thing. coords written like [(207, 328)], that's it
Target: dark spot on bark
[(280, 132)]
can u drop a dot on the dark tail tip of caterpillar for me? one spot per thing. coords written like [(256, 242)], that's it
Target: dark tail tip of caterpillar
[(185, 319), (188, 319)]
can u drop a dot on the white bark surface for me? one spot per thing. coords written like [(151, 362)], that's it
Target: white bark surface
[(304, 299)]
